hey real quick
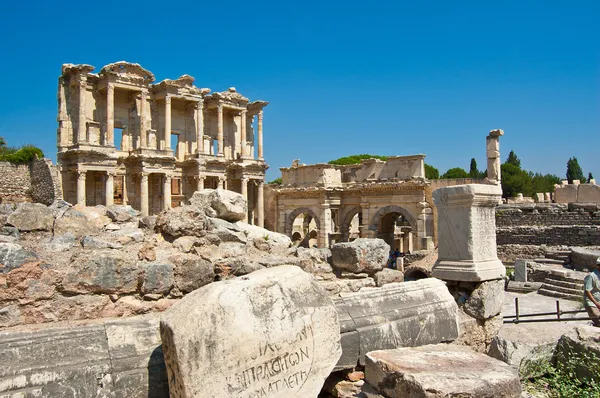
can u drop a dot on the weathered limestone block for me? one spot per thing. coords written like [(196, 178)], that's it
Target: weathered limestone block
[(220, 203), (226, 231), (360, 255), (584, 259), (96, 215), (13, 256), (185, 243), (182, 221), (90, 242), (121, 213), (521, 270), (75, 222), (528, 359), (32, 217), (281, 340), (62, 242), (337, 286), (397, 315), (477, 334), (467, 233), (158, 277), (256, 232), (387, 275), (101, 271), (30, 282), (579, 351), (440, 371), (486, 300)]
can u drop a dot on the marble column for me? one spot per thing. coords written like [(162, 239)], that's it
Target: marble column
[(201, 183), (109, 189), (125, 183), (222, 182), (260, 135), (166, 192), (81, 187), (200, 127), (144, 194), (110, 115), (492, 142), (260, 206), (243, 134), (143, 129), (244, 182), (82, 118), (167, 134), (220, 130)]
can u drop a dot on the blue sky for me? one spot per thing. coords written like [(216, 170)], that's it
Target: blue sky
[(342, 78)]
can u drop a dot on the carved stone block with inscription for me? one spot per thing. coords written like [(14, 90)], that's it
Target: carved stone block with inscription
[(467, 233), (273, 333)]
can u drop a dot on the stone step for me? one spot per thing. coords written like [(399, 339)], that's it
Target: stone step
[(523, 287), (565, 296), (548, 261), (561, 257), (564, 283), (561, 289)]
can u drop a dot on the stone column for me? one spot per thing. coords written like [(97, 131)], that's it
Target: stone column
[(143, 129), (200, 127), (166, 192), (144, 194), (167, 135), (110, 115), (125, 183), (81, 174), (243, 134), (260, 135), (467, 233), (220, 130), (325, 226), (260, 204), (109, 189), (244, 182), (223, 182), (82, 118), (492, 142), (201, 183)]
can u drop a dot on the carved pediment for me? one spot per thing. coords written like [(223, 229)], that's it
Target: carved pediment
[(183, 85), (76, 68), (128, 71)]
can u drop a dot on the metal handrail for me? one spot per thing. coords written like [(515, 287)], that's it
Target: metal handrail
[(517, 317)]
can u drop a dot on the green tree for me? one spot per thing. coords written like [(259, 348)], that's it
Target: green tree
[(356, 159), (590, 176), (431, 173), (455, 172), (276, 181), (513, 159), (473, 171), (2, 143), (515, 180), (574, 171), (543, 183)]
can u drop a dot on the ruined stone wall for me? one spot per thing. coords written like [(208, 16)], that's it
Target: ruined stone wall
[(15, 183), (38, 181), (570, 235)]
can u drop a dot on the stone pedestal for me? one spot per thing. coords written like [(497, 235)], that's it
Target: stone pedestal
[(467, 233)]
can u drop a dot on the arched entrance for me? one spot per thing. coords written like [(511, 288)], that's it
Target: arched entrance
[(350, 226), (395, 226), (302, 226)]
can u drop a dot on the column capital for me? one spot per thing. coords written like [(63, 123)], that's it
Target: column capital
[(81, 174), (245, 179), (168, 99), (144, 94), (110, 89), (110, 174)]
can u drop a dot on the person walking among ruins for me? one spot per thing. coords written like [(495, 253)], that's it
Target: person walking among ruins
[(591, 286)]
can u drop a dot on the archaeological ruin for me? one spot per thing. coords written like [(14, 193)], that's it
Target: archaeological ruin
[(123, 139)]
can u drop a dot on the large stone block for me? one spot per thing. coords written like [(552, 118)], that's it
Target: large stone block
[(566, 193), (13, 256), (360, 255), (182, 221), (486, 300), (396, 315), (440, 371), (32, 217), (467, 233), (220, 203), (584, 259), (272, 333)]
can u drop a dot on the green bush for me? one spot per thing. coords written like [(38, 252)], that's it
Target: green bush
[(356, 159), (24, 155)]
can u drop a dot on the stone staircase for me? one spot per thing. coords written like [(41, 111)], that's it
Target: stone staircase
[(563, 284)]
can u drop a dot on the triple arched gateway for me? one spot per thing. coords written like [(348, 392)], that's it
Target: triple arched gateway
[(375, 199)]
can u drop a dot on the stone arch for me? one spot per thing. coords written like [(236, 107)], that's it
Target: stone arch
[(373, 226), (347, 221), (414, 273), (289, 220)]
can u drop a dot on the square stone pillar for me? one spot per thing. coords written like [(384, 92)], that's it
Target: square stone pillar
[(144, 209), (166, 192), (109, 189), (243, 134), (467, 233), (260, 205), (200, 183), (82, 118), (143, 129), (167, 135), (260, 135), (81, 187), (244, 183), (125, 185), (220, 130), (199, 116)]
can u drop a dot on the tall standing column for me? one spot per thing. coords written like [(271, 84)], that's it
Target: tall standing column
[(125, 184), (220, 130), (81, 187), (200, 127), (493, 154), (260, 206), (144, 194), (201, 183), (82, 118), (244, 182), (243, 134), (260, 135), (166, 192), (143, 129), (167, 135), (110, 115), (109, 189)]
